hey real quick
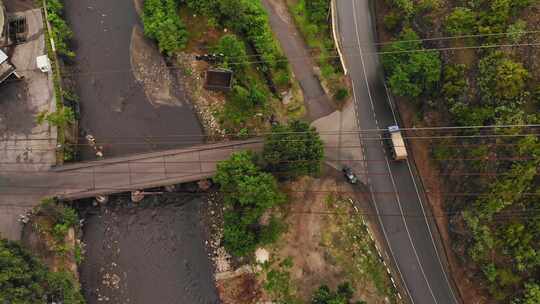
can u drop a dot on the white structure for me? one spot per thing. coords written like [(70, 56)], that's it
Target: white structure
[(43, 63)]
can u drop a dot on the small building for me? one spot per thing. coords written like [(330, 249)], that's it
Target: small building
[(218, 79), (6, 68)]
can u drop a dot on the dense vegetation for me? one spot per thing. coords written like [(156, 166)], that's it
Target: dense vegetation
[(248, 191), (343, 295), (24, 279), (248, 19), (60, 30), (162, 23), (293, 150), (485, 86)]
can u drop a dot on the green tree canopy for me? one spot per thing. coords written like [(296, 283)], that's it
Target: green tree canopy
[(343, 295), (531, 296), (293, 150), (248, 193), (24, 279), (234, 53), (462, 21), (162, 23), (501, 78), (409, 73)]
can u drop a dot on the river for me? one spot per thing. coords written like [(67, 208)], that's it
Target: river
[(114, 106)]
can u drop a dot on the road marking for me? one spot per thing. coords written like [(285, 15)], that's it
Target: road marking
[(389, 101), (386, 159), (377, 209), (363, 63), (431, 234), (407, 227)]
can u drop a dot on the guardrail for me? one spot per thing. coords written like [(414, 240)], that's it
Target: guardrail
[(333, 11)]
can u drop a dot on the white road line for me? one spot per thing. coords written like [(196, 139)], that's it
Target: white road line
[(407, 228), (379, 215), (431, 234), (362, 60), (389, 103), (386, 159)]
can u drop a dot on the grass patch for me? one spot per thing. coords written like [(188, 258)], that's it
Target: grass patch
[(348, 241)]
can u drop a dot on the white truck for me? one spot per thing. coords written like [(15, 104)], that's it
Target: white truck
[(397, 144)]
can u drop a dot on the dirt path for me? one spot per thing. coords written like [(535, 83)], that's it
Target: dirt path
[(153, 253), (317, 103)]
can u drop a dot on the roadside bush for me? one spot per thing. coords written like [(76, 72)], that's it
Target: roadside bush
[(248, 193), (293, 150), (162, 23), (392, 21), (341, 94), (61, 118), (60, 30), (405, 6), (318, 11)]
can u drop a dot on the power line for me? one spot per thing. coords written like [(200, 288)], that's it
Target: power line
[(318, 57), (337, 132), (74, 190), (379, 138)]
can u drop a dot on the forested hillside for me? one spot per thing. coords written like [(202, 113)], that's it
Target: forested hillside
[(484, 73)]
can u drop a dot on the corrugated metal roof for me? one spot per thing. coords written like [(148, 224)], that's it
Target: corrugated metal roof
[(3, 57)]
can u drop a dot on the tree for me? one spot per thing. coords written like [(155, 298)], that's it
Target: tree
[(162, 23), (501, 78), (531, 294), (293, 150), (24, 279), (343, 295), (234, 53), (462, 21), (317, 11), (411, 74), (248, 193)]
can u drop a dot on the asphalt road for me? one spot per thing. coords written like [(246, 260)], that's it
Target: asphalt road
[(408, 234)]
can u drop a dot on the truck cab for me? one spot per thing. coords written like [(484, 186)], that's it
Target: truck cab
[(396, 143)]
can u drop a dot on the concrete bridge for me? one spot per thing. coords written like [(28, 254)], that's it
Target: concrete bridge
[(121, 174)]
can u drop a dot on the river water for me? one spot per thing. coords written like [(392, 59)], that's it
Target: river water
[(151, 252), (114, 107)]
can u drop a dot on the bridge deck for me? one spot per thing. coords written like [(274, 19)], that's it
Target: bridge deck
[(88, 179)]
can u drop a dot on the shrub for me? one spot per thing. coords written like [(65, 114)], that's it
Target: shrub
[(24, 279), (293, 150), (234, 53), (341, 94), (248, 193), (162, 23)]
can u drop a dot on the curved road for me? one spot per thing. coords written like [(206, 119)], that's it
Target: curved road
[(408, 236)]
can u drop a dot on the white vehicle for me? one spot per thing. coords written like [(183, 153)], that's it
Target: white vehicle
[(399, 151)]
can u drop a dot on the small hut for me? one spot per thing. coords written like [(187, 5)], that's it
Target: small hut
[(218, 79)]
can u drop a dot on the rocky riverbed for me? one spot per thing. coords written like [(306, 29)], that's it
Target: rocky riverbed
[(154, 251)]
